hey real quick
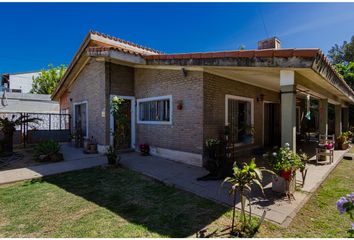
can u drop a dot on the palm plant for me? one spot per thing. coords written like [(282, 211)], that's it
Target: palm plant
[(8, 127), (242, 180)]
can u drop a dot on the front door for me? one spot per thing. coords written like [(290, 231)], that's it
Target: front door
[(271, 124), (122, 127)]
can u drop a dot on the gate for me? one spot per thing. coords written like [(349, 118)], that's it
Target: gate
[(50, 126)]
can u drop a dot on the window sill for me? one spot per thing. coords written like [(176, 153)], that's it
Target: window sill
[(155, 122)]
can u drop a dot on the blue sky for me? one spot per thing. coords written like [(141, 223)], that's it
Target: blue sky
[(34, 35)]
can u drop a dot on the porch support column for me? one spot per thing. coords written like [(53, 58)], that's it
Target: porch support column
[(288, 108), (338, 119), (323, 116), (345, 119)]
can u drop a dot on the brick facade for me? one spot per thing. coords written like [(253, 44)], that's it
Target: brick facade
[(215, 89), (186, 132), (90, 86), (202, 95)]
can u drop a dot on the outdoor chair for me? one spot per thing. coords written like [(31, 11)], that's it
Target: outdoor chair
[(322, 151)]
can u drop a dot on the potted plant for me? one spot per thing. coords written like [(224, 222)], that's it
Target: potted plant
[(91, 146), (284, 163), (343, 141), (48, 151), (72, 139), (248, 133), (144, 149), (8, 128), (111, 155)]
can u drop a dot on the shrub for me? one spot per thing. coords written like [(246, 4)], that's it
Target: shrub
[(47, 147)]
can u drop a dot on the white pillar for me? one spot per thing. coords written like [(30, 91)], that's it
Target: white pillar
[(323, 116), (338, 119), (288, 108)]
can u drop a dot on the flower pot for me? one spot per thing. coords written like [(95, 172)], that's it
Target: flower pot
[(247, 139), (279, 184), (286, 174)]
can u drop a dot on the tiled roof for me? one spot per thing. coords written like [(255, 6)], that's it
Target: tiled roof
[(266, 53), (104, 49), (123, 48)]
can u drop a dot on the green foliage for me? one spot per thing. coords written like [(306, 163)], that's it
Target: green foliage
[(111, 155), (46, 148), (285, 159), (47, 80), (212, 142), (242, 180), (342, 54), (119, 110), (347, 72), (8, 127)]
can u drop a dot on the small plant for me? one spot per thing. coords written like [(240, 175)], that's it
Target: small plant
[(343, 140), (8, 128), (285, 160), (111, 155), (248, 133), (346, 205), (242, 180), (211, 146), (144, 149), (47, 151)]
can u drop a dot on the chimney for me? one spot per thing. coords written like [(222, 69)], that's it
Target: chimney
[(270, 43)]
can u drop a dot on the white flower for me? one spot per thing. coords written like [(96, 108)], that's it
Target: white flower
[(274, 154), (287, 145), (115, 99)]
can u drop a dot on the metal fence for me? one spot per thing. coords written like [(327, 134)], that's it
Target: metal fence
[(50, 126)]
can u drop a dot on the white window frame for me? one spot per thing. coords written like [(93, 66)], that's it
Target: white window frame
[(246, 99), (141, 100), (132, 112), (87, 120)]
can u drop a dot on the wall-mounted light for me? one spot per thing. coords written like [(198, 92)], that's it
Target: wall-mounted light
[(180, 105), (260, 98), (71, 99)]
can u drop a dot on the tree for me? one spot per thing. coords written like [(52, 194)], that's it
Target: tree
[(47, 80), (347, 71), (8, 127), (343, 54), (242, 180)]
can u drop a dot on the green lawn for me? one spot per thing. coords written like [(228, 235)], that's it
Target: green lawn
[(102, 202), (319, 217)]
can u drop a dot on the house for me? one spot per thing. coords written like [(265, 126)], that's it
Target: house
[(15, 95), (177, 101), (19, 82)]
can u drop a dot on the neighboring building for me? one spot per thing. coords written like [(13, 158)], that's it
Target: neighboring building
[(26, 102), (15, 95), (19, 82), (177, 101)]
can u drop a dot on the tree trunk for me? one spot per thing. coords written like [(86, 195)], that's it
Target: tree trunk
[(8, 142)]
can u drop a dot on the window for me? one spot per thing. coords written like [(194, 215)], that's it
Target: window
[(239, 115), (81, 118), (156, 110)]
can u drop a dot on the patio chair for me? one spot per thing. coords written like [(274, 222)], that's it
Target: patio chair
[(324, 153)]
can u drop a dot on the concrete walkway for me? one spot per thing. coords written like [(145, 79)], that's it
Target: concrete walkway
[(278, 209), (75, 159)]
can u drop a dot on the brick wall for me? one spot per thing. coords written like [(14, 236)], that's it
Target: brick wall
[(215, 89), (90, 86), (122, 79), (186, 133)]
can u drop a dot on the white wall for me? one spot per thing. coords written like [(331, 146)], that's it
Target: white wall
[(22, 81)]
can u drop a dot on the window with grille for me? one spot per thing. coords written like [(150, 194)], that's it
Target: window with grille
[(154, 110)]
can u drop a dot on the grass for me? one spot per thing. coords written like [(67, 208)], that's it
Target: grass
[(102, 202), (319, 217)]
